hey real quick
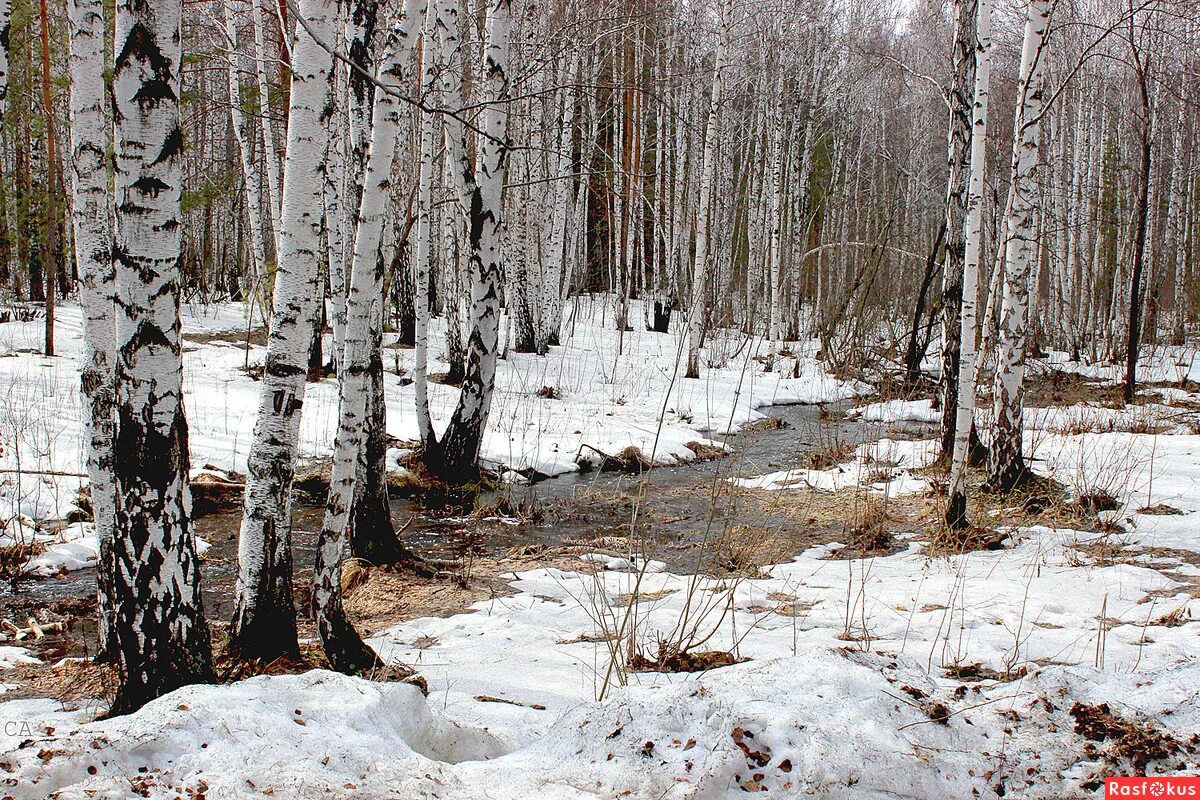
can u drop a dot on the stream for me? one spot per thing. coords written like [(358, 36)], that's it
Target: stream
[(677, 508)]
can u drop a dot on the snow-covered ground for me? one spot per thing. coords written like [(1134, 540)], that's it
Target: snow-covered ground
[(845, 691), (898, 676), (603, 400)]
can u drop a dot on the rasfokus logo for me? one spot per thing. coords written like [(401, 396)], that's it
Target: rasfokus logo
[(1153, 787)]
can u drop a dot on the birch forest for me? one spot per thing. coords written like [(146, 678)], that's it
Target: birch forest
[(611, 398)]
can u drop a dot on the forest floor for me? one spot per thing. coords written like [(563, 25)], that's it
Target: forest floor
[(789, 619)]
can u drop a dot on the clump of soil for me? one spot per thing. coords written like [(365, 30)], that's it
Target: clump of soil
[(630, 460), (706, 452), (947, 541), (1125, 741), (214, 494), (829, 455), (869, 531), (671, 659)]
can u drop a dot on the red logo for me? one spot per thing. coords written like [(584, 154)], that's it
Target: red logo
[(1153, 787)]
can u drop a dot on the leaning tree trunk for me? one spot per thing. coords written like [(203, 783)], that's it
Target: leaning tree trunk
[(92, 220), (454, 458), (264, 618), (1006, 466), (703, 215), (956, 500), (159, 633), (343, 646), (965, 14)]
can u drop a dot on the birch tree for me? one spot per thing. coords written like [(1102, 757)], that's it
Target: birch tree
[(343, 646), (159, 635), (703, 218), (956, 501), (91, 219), (481, 188), (264, 619), (1006, 466), (959, 155), (5, 22), (243, 131)]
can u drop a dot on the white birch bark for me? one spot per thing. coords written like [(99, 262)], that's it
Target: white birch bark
[(268, 127), (1006, 466), (482, 192), (159, 634), (703, 218), (343, 647), (956, 502), (243, 132), (436, 31), (264, 621), (5, 22), (92, 226)]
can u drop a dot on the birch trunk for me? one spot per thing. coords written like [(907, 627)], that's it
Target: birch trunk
[(264, 618), (1006, 466), (343, 646), (956, 501), (454, 459), (92, 225), (959, 150), (434, 24), (159, 633), (703, 216), (243, 131), (268, 127)]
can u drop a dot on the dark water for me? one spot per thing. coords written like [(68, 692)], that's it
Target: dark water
[(665, 511)]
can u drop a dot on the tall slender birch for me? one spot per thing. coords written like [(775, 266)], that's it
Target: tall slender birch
[(1006, 466), (343, 646), (264, 618), (159, 634), (92, 225), (273, 166), (703, 219), (243, 132), (956, 501), (481, 189), (959, 155)]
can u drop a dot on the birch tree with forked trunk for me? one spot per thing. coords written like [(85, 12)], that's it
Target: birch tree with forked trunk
[(91, 219), (264, 619), (956, 500), (480, 190), (159, 636), (1006, 465), (343, 646)]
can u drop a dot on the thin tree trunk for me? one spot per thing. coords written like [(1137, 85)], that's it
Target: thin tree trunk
[(343, 646), (1006, 466), (92, 220), (481, 191), (959, 150), (50, 219), (264, 617), (703, 215), (956, 501)]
